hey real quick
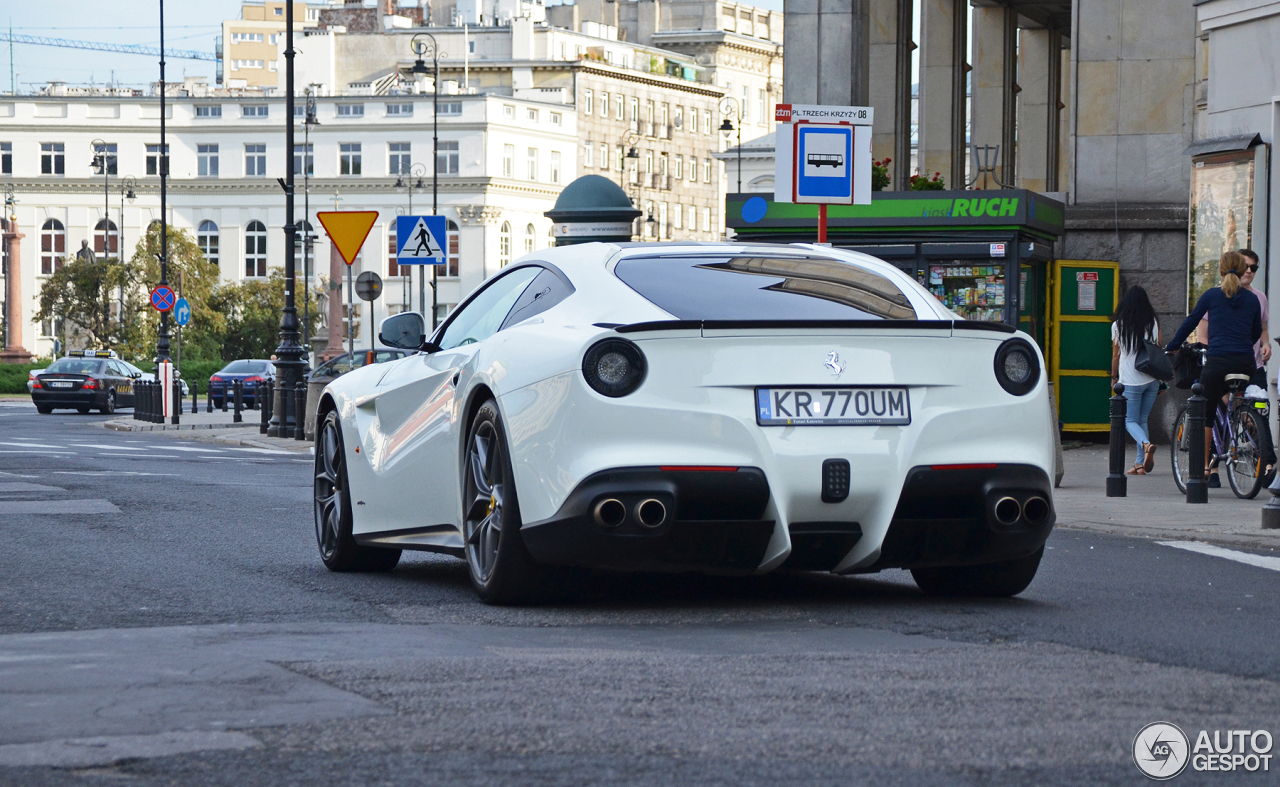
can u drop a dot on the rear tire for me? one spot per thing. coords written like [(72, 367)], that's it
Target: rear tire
[(1244, 465), (110, 406), (992, 580), (338, 548), (502, 570), (1179, 447)]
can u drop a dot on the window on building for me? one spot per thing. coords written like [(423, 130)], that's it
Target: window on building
[(255, 249), (746, 103), (399, 110), (693, 218), (762, 107), (648, 162), (447, 157), (706, 170), (693, 169), (452, 232), (207, 111), (677, 216), (508, 111), (104, 155), (207, 240), (349, 158), (106, 238), (555, 118), (679, 171), (504, 245), (588, 152), (275, 37), (706, 219), (648, 112), (393, 264), (400, 158), (665, 117), (604, 155), (706, 121), (635, 112), (564, 51), (530, 238), (531, 160), (272, 65), (6, 158), (555, 166), (531, 115), (153, 160), (207, 161), (255, 160), (508, 161), (247, 38), (53, 246), (604, 105), (679, 117), (304, 153), (351, 110), (588, 102), (451, 108), (662, 164), (254, 110), (617, 103)]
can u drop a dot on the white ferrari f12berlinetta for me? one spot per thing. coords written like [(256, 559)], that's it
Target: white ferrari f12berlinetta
[(693, 407)]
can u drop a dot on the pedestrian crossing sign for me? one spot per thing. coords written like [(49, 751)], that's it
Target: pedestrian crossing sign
[(421, 240)]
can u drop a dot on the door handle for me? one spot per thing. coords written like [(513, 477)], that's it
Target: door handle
[(454, 381)]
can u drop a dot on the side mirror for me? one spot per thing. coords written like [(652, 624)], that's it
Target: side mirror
[(136, 375), (406, 331)]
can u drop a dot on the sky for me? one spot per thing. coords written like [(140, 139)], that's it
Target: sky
[(189, 24)]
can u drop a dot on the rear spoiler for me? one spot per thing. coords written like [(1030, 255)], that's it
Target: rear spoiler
[(712, 325)]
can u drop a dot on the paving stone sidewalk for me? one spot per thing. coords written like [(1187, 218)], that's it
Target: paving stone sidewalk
[(215, 427)]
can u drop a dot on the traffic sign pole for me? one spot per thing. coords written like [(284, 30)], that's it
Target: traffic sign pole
[(822, 223)]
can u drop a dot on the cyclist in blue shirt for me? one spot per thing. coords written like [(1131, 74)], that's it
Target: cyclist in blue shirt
[(1236, 316)]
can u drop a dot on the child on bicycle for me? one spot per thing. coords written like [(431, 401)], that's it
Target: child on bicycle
[(1237, 326)]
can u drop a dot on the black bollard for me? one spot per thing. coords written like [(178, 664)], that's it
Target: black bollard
[(195, 397), (300, 412), (238, 389), (226, 394), (175, 417), (1117, 482), (208, 398), (264, 393), (1197, 486), (284, 405), (157, 402)]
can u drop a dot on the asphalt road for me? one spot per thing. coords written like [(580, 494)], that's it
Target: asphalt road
[(165, 619)]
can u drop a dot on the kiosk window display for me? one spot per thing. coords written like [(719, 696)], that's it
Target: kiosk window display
[(975, 292)]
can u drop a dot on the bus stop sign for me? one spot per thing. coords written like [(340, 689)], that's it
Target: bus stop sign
[(823, 155)]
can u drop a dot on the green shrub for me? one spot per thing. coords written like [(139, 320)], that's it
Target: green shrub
[(13, 376)]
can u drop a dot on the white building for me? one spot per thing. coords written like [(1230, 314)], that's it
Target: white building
[(503, 161)]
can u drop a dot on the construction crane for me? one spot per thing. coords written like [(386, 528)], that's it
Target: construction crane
[(130, 49)]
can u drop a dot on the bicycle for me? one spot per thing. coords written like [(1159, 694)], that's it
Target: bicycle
[(1237, 430)]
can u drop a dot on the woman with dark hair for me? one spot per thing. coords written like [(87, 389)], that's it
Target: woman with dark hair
[(1237, 323), (1132, 324)]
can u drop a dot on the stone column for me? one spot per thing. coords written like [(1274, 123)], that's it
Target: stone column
[(1036, 60), (337, 283), (890, 86), (826, 52), (13, 351), (942, 90), (995, 73)]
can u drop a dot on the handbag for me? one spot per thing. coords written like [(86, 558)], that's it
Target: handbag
[(1151, 360)]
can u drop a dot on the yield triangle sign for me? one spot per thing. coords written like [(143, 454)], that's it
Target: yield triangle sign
[(348, 229)]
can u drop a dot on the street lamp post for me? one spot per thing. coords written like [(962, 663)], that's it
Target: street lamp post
[(162, 337), (432, 50), (726, 128), (417, 171), (289, 363), (307, 123), (127, 185)]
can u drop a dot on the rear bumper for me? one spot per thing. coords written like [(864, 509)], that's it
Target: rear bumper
[(67, 398), (945, 516), (713, 521)]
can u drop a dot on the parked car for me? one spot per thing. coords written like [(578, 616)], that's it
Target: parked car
[(336, 367), (725, 408), (250, 371), (84, 380)]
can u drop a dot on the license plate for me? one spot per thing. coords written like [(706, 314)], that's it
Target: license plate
[(833, 406), (61, 385)]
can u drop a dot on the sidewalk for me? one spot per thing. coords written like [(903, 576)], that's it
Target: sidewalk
[(1154, 508), (215, 427)]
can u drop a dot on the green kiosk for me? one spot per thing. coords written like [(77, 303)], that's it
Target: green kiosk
[(988, 255)]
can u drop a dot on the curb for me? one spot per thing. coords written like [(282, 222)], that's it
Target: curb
[(1237, 540), (149, 427)]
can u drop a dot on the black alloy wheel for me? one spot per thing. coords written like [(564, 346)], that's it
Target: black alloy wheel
[(501, 568), (109, 406), (338, 549)]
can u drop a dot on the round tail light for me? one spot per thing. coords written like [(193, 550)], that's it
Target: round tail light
[(614, 367), (1017, 367)]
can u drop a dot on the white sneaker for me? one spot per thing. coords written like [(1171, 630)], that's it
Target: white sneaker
[(1254, 392)]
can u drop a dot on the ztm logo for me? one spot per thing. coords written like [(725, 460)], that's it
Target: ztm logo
[(782, 113), (1160, 750)]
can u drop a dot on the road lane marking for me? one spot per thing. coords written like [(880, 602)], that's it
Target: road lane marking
[(90, 506), (31, 445), (84, 752), (19, 486), (1261, 561), (107, 472), (184, 448), (102, 447), (46, 453)]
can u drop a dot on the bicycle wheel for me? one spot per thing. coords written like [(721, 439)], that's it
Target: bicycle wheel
[(1179, 455), (1244, 462)]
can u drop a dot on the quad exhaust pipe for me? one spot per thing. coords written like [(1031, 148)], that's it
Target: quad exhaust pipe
[(609, 512), (651, 512), (612, 512), (1008, 510)]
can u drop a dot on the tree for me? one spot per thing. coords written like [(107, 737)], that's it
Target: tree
[(81, 293), (252, 311)]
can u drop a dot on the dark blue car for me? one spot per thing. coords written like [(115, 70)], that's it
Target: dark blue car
[(253, 372)]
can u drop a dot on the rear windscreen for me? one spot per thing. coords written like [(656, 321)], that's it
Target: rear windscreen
[(244, 367), (764, 288), (73, 366)]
